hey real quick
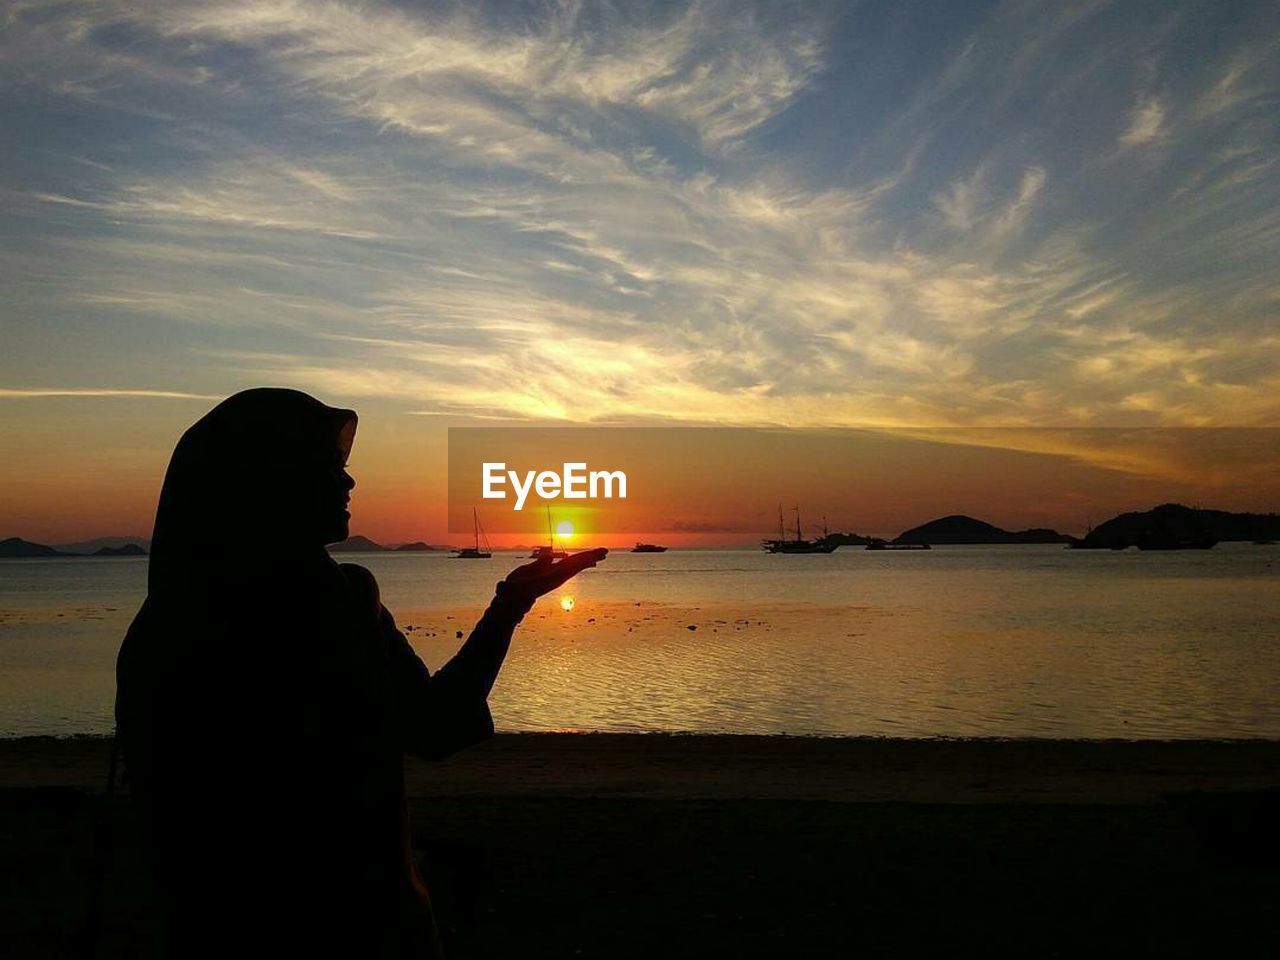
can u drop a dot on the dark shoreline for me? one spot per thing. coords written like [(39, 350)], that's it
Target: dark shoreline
[(715, 766), (686, 845)]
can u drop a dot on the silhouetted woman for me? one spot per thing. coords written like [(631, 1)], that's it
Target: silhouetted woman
[(266, 699)]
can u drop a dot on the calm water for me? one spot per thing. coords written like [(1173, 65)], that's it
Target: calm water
[(959, 641)]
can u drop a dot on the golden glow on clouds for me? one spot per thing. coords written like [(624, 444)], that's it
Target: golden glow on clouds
[(584, 214), (751, 299), (37, 393)]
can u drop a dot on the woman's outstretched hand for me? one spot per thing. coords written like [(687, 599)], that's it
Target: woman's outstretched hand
[(530, 581)]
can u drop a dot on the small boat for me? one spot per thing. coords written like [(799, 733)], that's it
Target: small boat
[(886, 545), (474, 552), (648, 548), (548, 549), (799, 544)]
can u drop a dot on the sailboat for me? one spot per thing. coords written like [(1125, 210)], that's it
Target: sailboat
[(474, 552), (548, 549), (798, 544)]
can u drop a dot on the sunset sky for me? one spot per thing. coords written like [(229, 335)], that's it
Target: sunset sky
[(788, 214)]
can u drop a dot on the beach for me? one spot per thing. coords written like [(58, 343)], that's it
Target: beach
[(616, 845)]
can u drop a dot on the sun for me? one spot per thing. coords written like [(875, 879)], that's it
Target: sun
[(566, 603), (564, 529)]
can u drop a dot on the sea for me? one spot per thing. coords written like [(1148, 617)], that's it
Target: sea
[(960, 641)]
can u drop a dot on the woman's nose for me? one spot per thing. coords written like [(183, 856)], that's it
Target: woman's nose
[(348, 481)]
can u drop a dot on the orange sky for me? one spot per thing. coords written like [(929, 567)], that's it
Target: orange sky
[(714, 485), (76, 468)]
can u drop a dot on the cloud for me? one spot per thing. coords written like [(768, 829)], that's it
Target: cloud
[(713, 68), (1019, 207), (959, 204), (970, 206), (14, 393), (1146, 124), (693, 212), (260, 192)]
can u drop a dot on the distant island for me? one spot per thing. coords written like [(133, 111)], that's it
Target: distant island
[(16, 547), (359, 544), (1168, 526), (958, 529), (91, 547), (1174, 523), (128, 550)]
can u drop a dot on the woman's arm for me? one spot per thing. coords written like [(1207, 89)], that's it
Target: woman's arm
[(474, 668), (470, 675), (440, 714)]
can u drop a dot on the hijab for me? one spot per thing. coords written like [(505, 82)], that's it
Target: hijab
[(234, 480), (243, 680)]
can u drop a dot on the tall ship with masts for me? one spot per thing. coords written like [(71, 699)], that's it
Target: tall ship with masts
[(548, 549), (474, 552), (798, 544)]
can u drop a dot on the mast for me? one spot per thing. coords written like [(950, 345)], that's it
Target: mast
[(782, 532), (475, 529), (551, 537), (797, 510)]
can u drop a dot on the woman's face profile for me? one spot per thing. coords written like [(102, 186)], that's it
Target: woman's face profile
[(328, 497)]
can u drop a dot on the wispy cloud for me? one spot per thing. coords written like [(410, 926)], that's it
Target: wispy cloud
[(12, 393), (1146, 124), (705, 212)]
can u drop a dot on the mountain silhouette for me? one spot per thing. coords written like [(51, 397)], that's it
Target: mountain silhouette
[(91, 547), (1175, 522), (17, 547), (957, 529), (357, 544), (125, 550)]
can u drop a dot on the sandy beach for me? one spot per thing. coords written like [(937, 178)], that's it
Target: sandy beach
[(603, 845)]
